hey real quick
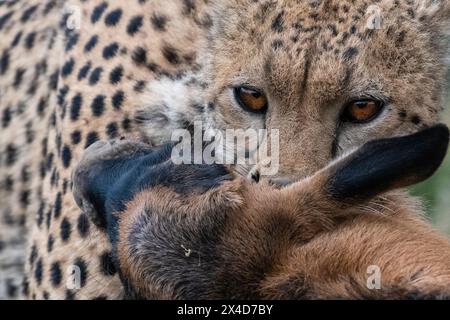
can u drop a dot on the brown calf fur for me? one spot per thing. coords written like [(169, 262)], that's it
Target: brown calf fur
[(319, 238)]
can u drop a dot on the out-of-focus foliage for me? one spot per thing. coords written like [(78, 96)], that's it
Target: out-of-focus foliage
[(436, 191)]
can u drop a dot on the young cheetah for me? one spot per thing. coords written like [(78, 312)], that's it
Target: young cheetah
[(330, 75)]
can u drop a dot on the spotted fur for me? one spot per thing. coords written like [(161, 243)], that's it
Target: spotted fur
[(63, 88)]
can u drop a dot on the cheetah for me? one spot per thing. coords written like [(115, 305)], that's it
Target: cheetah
[(75, 72)]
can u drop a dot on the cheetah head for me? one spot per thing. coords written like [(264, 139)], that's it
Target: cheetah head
[(329, 75)]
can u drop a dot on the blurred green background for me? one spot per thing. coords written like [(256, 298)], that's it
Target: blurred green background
[(436, 191)]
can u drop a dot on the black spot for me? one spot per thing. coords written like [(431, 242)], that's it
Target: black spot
[(29, 40), (55, 274), (139, 86), (95, 76), (66, 229), (53, 80), (50, 242), (70, 295), (11, 288), (40, 215), (83, 270), (188, 7), (75, 137), (28, 13), (49, 161), (107, 264), (100, 298), (134, 25), (4, 62), (52, 120), (29, 132), (83, 225), (25, 287), (25, 174), (58, 205), (91, 138), (24, 198), (6, 117), (91, 43), (64, 186), (42, 169), (67, 68), (402, 114), (84, 71), (112, 130), (18, 77), (62, 93), (116, 75), (38, 272), (277, 44), (110, 51), (9, 183), (159, 22), (45, 295), (113, 17), (75, 107), (33, 255), (333, 29), (153, 67), (416, 120), (72, 41), (98, 11), (49, 218), (277, 24), (49, 6), (139, 56), (350, 53), (98, 105), (11, 154), (126, 124), (66, 156), (171, 55), (42, 105), (117, 99), (5, 18)]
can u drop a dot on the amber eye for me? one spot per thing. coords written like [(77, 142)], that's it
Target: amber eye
[(362, 110), (251, 99)]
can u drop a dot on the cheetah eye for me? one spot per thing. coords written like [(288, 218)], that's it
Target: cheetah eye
[(361, 111), (251, 99)]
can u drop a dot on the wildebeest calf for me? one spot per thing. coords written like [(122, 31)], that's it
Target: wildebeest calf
[(200, 232)]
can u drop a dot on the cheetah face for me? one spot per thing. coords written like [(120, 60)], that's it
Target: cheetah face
[(322, 75)]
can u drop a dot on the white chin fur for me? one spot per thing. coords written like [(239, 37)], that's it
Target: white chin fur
[(169, 104)]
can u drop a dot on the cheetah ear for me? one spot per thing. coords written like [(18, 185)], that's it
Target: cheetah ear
[(386, 164)]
